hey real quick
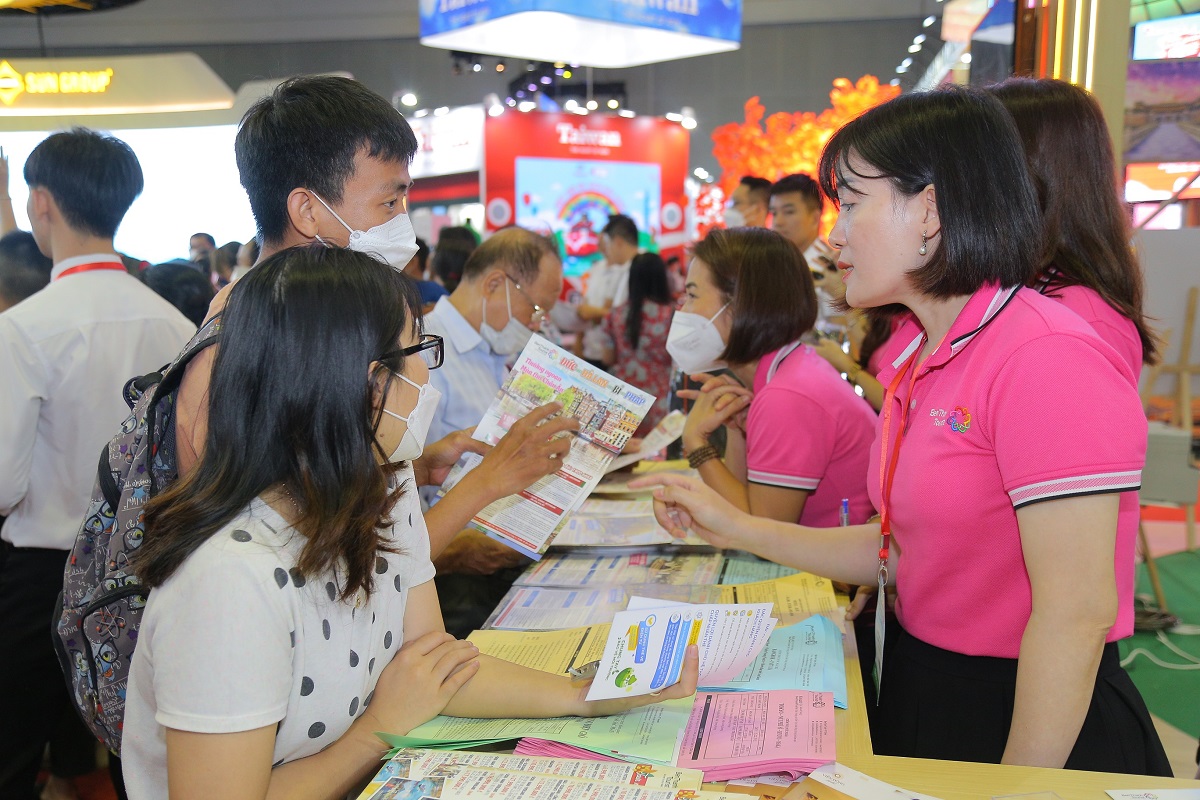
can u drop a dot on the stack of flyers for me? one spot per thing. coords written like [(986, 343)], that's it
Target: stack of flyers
[(839, 782), (646, 644), (740, 734), (807, 655)]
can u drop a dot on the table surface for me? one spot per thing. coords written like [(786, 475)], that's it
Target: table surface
[(954, 780)]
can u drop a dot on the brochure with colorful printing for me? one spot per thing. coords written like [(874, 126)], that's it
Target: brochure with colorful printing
[(578, 569), (617, 523), (739, 734), (646, 644), (536, 608), (416, 764), (609, 412)]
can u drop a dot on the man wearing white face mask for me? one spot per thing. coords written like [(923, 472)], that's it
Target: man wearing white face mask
[(508, 285), (324, 159)]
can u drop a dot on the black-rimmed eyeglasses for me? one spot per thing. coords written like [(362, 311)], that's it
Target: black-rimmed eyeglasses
[(430, 348)]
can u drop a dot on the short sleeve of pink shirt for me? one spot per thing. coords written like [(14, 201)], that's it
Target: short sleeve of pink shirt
[(808, 430)]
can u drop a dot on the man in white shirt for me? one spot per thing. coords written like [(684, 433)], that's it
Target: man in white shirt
[(65, 354), (508, 285), (796, 207), (607, 282)]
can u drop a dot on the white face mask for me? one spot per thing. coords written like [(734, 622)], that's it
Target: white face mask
[(695, 343), (734, 218), (510, 339), (417, 423), (394, 242)]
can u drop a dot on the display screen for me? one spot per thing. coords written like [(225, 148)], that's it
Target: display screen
[(1173, 37), (572, 200)]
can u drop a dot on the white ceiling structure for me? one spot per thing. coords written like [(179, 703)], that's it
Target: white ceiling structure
[(173, 23)]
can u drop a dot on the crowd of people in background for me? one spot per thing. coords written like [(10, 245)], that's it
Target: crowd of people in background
[(795, 357)]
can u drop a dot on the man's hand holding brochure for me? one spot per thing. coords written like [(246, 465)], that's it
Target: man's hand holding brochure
[(609, 412)]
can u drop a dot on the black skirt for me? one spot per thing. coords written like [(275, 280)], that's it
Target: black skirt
[(935, 703)]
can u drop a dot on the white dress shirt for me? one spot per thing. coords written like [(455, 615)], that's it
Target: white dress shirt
[(65, 355), (606, 282)]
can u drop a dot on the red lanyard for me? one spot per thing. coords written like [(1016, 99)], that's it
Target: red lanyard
[(888, 460), (91, 267)]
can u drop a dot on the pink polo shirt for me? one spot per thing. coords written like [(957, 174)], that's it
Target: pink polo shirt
[(1117, 330), (1022, 403), (807, 429)]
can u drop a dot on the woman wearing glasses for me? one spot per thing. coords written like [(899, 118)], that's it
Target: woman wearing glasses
[(293, 611)]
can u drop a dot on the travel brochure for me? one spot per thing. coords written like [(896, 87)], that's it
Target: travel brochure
[(609, 412), (618, 523), (646, 644), (737, 734)]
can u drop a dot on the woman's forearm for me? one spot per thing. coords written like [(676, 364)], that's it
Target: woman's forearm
[(1056, 673), (503, 689), (849, 555), (723, 482)]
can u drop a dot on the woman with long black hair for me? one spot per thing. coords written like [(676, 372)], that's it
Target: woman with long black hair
[(636, 334), (293, 611)]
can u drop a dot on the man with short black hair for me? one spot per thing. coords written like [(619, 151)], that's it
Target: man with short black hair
[(200, 247), (607, 282), (324, 159), (748, 203), (65, 354), (796, 206)]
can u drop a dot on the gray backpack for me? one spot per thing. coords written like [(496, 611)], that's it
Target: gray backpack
[(100, 608)]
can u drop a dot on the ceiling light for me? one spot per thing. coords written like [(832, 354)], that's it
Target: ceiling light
[(906, 63), (674, 117), (894, 82), (546, 80), (919, 39), (928, 21), (527, 105), (496, 110), (501, 66), (441, 111), (592, 105), (966, 58), (625, 112), (571, 104), (424, 112), (508, 101), (567, 74), (914, 48), (409, 99), (613, 104), (532, 87)]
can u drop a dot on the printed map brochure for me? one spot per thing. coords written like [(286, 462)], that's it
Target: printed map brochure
[(609, 412)]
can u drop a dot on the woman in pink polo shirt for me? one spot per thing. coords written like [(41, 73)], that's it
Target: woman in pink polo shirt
[(802, 446), (997, 476), (1089, 265)]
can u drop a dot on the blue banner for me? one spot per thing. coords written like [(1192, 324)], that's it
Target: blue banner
[(716, 19)]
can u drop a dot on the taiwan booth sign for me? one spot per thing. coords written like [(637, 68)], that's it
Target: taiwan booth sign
[(564, 175)]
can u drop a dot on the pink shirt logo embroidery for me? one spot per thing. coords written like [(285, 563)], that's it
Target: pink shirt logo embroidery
[(960, 420)]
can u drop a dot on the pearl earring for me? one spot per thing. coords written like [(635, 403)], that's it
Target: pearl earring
[(924, 238)]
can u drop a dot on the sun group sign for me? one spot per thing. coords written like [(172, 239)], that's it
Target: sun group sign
[(36, 87), (598, 33)]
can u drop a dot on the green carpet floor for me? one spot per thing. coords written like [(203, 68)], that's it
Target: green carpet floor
[(1173, 695)]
